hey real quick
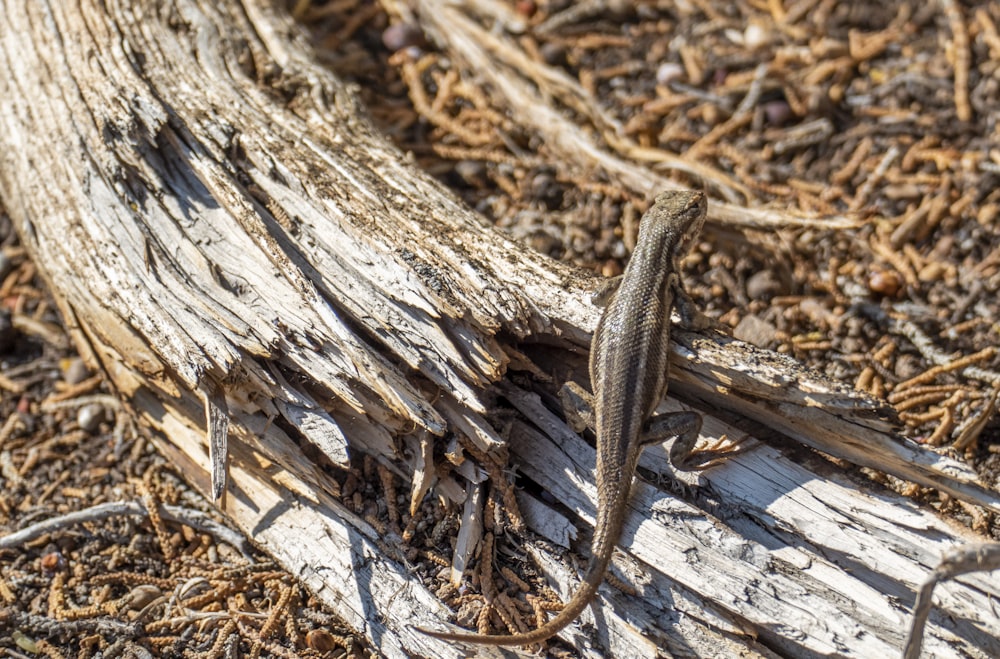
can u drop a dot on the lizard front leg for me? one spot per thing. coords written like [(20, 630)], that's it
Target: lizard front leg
[(692, 318)]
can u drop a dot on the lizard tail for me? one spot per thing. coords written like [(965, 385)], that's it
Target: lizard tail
[(580, 600)]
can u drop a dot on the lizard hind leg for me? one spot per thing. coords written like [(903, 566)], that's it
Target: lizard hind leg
[(685, 426)]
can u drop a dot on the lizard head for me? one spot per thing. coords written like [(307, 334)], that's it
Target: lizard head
[(686, 211)]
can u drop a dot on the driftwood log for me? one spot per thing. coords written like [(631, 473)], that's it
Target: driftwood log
[(249, 260)]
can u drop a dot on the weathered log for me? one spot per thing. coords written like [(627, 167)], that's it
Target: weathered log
[(226, 234)]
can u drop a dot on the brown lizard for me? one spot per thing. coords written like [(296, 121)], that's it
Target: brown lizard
[(629, 358)]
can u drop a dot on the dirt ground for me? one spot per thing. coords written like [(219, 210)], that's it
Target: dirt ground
[(882, 113)]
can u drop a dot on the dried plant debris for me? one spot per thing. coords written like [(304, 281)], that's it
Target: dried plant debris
[(882, 114), (101, 549)]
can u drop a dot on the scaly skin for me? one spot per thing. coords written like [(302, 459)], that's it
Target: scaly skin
[(629, 359)]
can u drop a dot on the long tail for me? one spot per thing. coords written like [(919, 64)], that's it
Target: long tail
[(573, 608), (568, 614)]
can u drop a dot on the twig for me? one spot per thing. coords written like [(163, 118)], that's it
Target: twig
[(13, 423), (193, 518), (48, 332), (861, 198), (48, 626), (962, 59), (930, 352), (961, 560), (969, 432), (577, 12)]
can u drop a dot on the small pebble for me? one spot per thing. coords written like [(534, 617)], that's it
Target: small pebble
[(755, 331), (52, 562), (526, 8), (89, 417), (470, 171), (885, 282), (402, 35), (777, 112), (755, 36), (762, 285), (142, 595), (668, 72), (320, 640)]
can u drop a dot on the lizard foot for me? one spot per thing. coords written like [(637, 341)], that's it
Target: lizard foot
[(715, 453)]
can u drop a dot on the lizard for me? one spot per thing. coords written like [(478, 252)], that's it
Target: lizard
[(629, 359)]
